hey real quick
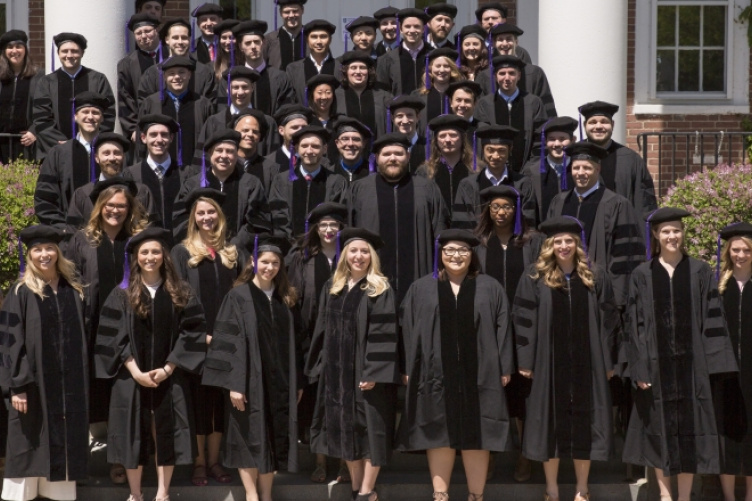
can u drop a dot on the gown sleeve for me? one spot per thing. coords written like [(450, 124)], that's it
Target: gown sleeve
[(636, 328), (504, 332), (525, 319), (113, 343), (381, 363), (719, 354), (610, 325), (314, 357), (189, 350), (226, 358), (15, 371)]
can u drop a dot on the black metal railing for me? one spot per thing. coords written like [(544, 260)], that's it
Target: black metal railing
[(678, 154)]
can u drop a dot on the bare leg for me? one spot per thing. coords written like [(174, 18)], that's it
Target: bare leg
[(249, 476), (164, 477), (134, 480), (265, 482), (582, 471), (440, 464), (684, 481), (727, 486), (664, 484), (476, 464), (201, 457), (357, 472), (214, 443), (551, 469), (370, 475)]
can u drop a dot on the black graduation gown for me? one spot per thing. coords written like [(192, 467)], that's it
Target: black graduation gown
[(44, 355), (242, 358), (545, 186), (101, 269), (249, 202), (261, 167), (454, 394), (408, 215), (615, 241), (418, 154), (194, 111), (352, 175), (355, 340), (163, 191), (65, 169), (399, 72), (202, 83), (278, 56), (369, 107), (166, 335), (533, 80), (202, 54), (279, 162), (701, 348), (52, 106), (528, 114), (271, 91), (223, 120), (624, 171), (80, 207), (448, 182), (537, 316), (299, 72), (129, 71), (467, 207), (16, 99), (290, 202)]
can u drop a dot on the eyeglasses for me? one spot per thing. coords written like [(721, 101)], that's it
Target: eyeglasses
[(111, 206), (505, 208), (326, 226), (456, 251)]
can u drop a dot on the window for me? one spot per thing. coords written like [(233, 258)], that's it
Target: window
[(690, 54), (236, 9), (3, 18)]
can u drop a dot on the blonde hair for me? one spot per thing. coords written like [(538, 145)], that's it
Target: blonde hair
[(217, 239), (32, 277), (134, 223), (375, 284), (547, 269), (454, 74), (727, 267)]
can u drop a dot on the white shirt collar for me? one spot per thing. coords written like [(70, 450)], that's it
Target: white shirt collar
[(84, 142), (261, 67), (235, 110), (151, 163), (588, 192), (496, 181)]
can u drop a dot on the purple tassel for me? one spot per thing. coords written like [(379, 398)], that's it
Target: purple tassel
[(193, 33), (399, 31), (563, 185), (491, 65), (428, 73), (21, 260), (52, 55), (388, 120), (159, 50), (305, 97), (718, 259), (346, 39), (276, 8), (647, 233), (291, 175), (232, 53), (372, 163), (579, 120), (229, 94), (457, 43), (302, 44), (204, 182), (338, 251), (518, 215), (126, 269), (475, 154), (216, 46), (428, 143), (73, 118), (255, 254), (161, 84), (180, 145), (127, 39), (543, 149), (446, 104), (436, 259), (425, 31), (92, 164)]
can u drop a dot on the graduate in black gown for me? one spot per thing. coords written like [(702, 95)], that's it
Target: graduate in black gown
[(388, 27), (566, 326), (227, 56), (441, 71), (207, 16), (45, 372), (19, 76), (403, 117), (473, 52), (354, 357), (401, 69), (358, 97), (255, 358), (286, 44), (319, 97), (455, 373), (678, 340), (451, 158), (98, 251), (734, 397), (252, 125), (310, 264), (363, 37), (320, 61), (210, 264), (151, 331), (508, 246), (352, 140)]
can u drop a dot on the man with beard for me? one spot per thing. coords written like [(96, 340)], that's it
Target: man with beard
[(440, 23), (623, 170), (286, 45), (351, 138), (318, 37), (295, 193), (401, 70), (272, 89), (387, 18), (109, 154), (407, 211), (404, 111)]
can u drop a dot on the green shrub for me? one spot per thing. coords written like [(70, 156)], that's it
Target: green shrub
[(716, 197), (17, 183)]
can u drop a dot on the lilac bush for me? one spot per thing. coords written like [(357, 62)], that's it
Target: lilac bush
[(716, 197), (17, 183)]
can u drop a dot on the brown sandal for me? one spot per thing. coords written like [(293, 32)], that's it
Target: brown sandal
[(319, 474), (117, 474), (199, 478), (219, 474)]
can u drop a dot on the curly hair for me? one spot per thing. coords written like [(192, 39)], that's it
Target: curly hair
[(727, 266), (287, 292), (433, 162), (375, 284), (135, 221), (482, 64), (371, 77), (178, 289), (199, 250), (547, 268), (485, 227)]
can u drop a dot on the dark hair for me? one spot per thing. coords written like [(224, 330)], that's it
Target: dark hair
[(472, 272), (29, 70), (222, 61), (287, 292), (311, 241), (371, 77), (482, 61), (485, 227), (179, 290)]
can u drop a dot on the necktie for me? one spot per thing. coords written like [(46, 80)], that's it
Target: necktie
[(160, 171), (176, 102), (308, 178), (152, 54), (559, 169), (211, 52)]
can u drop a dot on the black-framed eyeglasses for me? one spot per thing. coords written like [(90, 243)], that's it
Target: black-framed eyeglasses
[(505, 208), (456, 251)]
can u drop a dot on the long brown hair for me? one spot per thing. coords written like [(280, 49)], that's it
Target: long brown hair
[(29, 70), (434, 161), (486, 226), (655, 245), (179, 290), (547, 268), (134, 222), (465, 70), (287, 292), (222, 60)]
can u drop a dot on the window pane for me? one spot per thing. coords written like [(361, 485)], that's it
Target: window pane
[(236, 9), (666, 25), (689, 70), (714, 26), (665, 69), (689, 26), (713, 71), (422, 4), (3, 21)]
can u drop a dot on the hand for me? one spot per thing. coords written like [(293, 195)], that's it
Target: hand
[(505, 379), (208, 339), (158, 375), (366, 386), (19, 402), (610, 374), (405, 378), (526, 373), (144, 379), (28, 138), (238, 400), (62, 142), (300, 395), (643, 385)]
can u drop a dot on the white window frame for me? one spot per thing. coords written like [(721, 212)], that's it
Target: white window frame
[(17, 14), (735, 99)]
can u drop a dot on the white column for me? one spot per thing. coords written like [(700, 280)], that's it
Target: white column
[(102, 22), (582, 46), (527, 19)]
